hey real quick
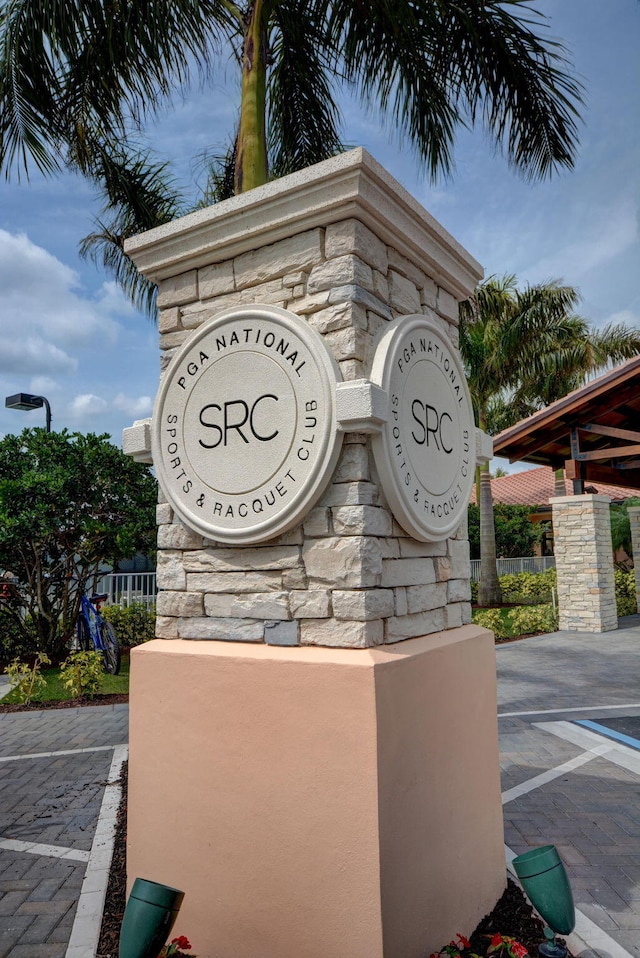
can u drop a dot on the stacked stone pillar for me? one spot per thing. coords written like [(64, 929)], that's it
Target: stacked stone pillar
[(313, 738), (584, 563), (634, 519)]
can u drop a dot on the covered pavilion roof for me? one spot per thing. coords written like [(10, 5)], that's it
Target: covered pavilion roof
[(593, 432)]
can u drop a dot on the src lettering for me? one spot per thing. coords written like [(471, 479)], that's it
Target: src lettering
[(430, 422), (236, 416)]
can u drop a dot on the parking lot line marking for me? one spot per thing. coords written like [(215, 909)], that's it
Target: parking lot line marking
[(85, 932), (538, 780), (610, 733), (47, 851), (581, 708), (618, 753), (66, 751)]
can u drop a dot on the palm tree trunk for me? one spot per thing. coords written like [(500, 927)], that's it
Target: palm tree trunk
[(489, 591), (251, 160)]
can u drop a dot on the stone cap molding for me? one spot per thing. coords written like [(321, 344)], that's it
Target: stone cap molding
[(349, 186), (587, 497)]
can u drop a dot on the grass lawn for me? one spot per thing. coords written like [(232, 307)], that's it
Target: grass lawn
[(56, 692)]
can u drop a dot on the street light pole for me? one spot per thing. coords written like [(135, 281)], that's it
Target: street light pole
[(27, 401)]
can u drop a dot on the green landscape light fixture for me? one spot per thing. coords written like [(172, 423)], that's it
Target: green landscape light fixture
[(27, 401), (547, 887), (148, 918)]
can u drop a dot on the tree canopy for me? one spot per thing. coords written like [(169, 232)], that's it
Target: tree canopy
[(68, 503), (516, 534), (78, 82), (521, 348)]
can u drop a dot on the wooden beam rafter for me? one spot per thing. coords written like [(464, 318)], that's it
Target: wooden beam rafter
[(608, 475), (606, 452), (611, 431)]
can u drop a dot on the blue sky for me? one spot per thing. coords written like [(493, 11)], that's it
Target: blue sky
[(67, 332)]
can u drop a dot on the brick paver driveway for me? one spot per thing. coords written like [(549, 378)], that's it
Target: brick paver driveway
[(54, 767)]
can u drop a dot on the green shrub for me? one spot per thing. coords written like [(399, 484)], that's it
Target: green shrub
[(26, 680), (533, 619), (82, 673), (494, 620), (626, 605), (525, 587), (16, 642), (625, 592), (524, 620), (134, 624), (625, 584), (474, 591)]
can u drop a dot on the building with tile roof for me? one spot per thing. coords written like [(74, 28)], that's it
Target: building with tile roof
[(534, 487)]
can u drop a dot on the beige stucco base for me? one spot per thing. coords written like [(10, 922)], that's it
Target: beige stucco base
[(316, 802)]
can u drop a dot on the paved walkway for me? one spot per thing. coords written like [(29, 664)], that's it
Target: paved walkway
[(56, 818), (564, 783), (572, 785)]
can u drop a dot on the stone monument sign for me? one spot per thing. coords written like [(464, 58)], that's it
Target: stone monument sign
[(426, 451), (244, 430), (306, 726)]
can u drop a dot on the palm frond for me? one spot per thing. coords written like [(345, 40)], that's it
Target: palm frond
[(303, 116), (220, 173), (519, 82), (390, 53), (105, 248), (66, 68), (434, 66), (139, 194)]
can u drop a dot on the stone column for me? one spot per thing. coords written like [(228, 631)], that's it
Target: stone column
[(584, 562), (305, 732), (634, 519)]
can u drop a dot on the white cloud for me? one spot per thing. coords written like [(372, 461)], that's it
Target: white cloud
[(46, 314), (134, 406), (626, 316), (33, 355), (88, 405), (600, 235), (111, 299), (41, 385)]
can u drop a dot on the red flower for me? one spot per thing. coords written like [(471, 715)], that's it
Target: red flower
[(182, 942)]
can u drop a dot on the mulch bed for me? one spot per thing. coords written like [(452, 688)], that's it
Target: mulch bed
[(116, 887), (66, 703), (517, 638), (512, 915)]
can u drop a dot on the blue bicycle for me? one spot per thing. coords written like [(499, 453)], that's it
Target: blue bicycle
[(94, 632)]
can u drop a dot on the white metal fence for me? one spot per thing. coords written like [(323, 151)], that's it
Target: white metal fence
[(513, 566), (125, 588)]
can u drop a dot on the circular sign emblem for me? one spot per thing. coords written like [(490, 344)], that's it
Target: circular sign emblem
[(244, 427), (425, 453)]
